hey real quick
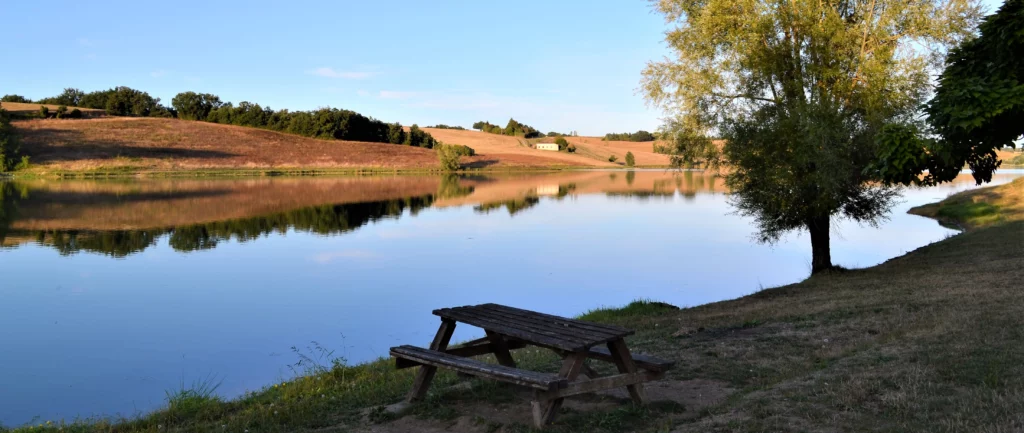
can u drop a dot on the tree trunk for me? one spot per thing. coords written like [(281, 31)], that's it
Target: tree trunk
[(821, 255)]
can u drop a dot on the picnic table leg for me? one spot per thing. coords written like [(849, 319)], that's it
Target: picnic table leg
[(421, 385), (501, 349), (544, 412), (624, 361)]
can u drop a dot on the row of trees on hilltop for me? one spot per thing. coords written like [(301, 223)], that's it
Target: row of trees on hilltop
[(321, 123), (638, 136), (513, 128), (118, 101), (330, 123)]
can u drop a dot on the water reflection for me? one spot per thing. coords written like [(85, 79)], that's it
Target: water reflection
[(222, 277), (120, 218)]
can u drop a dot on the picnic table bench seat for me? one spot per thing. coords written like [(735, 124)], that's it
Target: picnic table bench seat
[(473, 367), (509, 328)]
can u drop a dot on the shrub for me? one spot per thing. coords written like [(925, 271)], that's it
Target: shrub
[(449, 157), (62, 111), (571, 148), (613, 158), (8, 145), (44, 112), (630, 160), (74, 114), (462, 150), (562, 143), (443, 126)]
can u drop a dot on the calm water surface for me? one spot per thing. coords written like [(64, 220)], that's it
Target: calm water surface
[(114, 292)]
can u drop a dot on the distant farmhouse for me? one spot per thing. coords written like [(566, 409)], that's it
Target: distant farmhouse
[(547, 146)]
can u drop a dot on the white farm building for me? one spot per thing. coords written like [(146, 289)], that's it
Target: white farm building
[(547, 146)]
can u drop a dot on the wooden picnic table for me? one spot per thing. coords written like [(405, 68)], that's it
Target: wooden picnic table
[(510, 328)]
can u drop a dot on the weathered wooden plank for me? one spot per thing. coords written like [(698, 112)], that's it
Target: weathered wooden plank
[(501, 349), (465, 350), (421, 384), (564, 327), (612, 329), (601, 384), (513, 331), (517, 324), (532, 379), (642, 361), (624, 361), (555, 324)]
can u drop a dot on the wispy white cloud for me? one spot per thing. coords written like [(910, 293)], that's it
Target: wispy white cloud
[(328, 257), (333, 73)]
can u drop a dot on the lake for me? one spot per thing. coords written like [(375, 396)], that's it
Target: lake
[(114, 292)]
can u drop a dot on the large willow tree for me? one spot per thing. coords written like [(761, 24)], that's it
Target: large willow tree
[(798, 91)]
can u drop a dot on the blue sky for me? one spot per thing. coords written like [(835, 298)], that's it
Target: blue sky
[(556, 65)]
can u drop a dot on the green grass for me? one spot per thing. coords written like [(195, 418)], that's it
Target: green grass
[(632, 311), (976, 208)]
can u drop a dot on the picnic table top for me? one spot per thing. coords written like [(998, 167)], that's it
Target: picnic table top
[(538, 328)]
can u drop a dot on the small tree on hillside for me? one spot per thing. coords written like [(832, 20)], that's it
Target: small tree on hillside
[(449, 157), (44, 112), (630, 160), (562, 143)]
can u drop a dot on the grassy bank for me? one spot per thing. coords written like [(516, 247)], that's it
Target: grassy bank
[(978, 208), (930, 341)]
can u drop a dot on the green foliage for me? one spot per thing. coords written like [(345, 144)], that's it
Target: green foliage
[(70, 97), (449, 156), (640, 135), (62, 111), (74, 114), (417, 137), (613, 158), (571, 148), (799, 92), (327, 123), (396, 134), (44, 111), (977, 108), (630, 160), (119, 101), (195, 106), (443, 126), (15, 98), (125, 101), (562, 143), (513, 128), (8, 143)]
